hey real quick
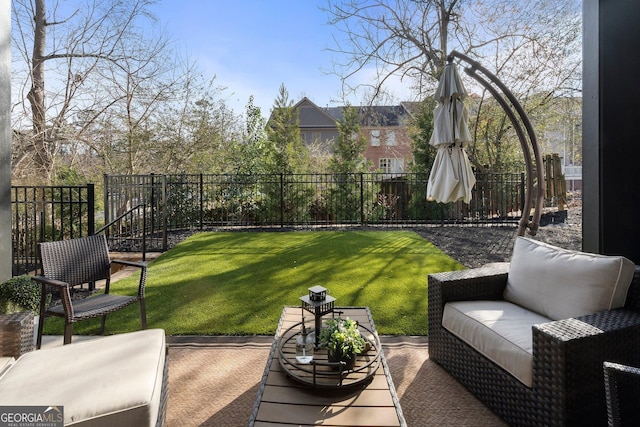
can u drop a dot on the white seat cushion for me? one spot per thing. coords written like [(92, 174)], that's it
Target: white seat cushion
[(111, 381), (499, 330), (560, 283)]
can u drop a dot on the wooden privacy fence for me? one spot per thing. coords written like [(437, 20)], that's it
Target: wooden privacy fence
[(555, 182)]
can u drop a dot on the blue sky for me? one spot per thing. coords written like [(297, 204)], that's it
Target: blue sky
[(254, 46)]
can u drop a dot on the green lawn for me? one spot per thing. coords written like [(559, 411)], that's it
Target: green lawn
[(236, 283)]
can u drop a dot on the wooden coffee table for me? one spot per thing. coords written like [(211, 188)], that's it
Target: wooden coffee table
[(282, 400)]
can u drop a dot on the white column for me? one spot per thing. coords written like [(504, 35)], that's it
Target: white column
[(5, 139)]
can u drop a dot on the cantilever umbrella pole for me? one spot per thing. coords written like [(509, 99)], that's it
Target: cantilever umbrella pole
[(524, 221), (538, 173)]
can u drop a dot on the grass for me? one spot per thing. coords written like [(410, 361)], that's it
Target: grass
[(236, 283)]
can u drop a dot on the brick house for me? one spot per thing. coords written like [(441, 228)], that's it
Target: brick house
[(385, 129)]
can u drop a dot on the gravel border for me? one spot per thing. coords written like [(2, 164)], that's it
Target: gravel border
[(476, 246)]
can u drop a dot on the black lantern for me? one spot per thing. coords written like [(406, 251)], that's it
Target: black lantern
[(317, 293), (318, 303)]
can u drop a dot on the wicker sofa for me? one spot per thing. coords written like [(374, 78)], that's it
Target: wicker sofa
[(567, 384), (622, 384)]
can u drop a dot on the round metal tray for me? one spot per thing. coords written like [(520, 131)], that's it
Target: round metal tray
[(321, 373)]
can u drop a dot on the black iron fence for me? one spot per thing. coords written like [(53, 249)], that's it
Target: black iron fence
[(141, 210), (47, 213), (179, 202)]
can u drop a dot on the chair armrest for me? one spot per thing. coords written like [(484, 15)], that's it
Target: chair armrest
[(65, 296), (618, 369), (50, 282), (622, 388), (483, 283), (568, 354), (143, 274), (130, 263), (620, 324)]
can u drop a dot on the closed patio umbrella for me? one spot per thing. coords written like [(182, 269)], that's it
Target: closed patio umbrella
[(451, 177)]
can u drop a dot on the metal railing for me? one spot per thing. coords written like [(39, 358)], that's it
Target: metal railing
[(47, 213), (127, 233), (179, 202), (141, 210)]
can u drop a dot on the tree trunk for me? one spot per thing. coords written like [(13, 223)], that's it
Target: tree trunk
[(36, 94)]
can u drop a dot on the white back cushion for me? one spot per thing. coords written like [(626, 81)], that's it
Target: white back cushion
[(560, 283)]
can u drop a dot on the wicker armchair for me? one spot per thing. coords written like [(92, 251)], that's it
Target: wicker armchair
[(568, 355), (622, 385), (70, 263)]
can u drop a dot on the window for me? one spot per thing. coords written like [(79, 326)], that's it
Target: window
[(391, 165), (397, 166), (391, 137), (375, 138), (309, 137)]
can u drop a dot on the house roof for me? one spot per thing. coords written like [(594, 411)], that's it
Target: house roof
[(312, 115)]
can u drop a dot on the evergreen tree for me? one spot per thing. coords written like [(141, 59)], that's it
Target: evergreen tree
[(420, 131), (287, 156), (249, 153), (288, 153), (347, 163), (348, 151)]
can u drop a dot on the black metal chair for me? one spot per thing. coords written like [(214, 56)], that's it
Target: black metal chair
[(622, 386), (69, 263)]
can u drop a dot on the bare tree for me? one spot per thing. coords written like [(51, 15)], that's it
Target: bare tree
[(411, 39), (533, 46), (75, 62), (195, 129), (403, 38)]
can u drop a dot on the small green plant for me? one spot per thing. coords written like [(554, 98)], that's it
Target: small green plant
[(18, 294), (342, 337)]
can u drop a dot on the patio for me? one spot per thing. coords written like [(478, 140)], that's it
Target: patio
[(615, 219), (214, 379), (213, 382)]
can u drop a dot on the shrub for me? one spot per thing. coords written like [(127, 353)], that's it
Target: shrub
[(18, 294)]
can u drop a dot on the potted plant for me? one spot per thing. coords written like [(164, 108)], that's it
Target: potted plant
[(19, 294), (343, 340)]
